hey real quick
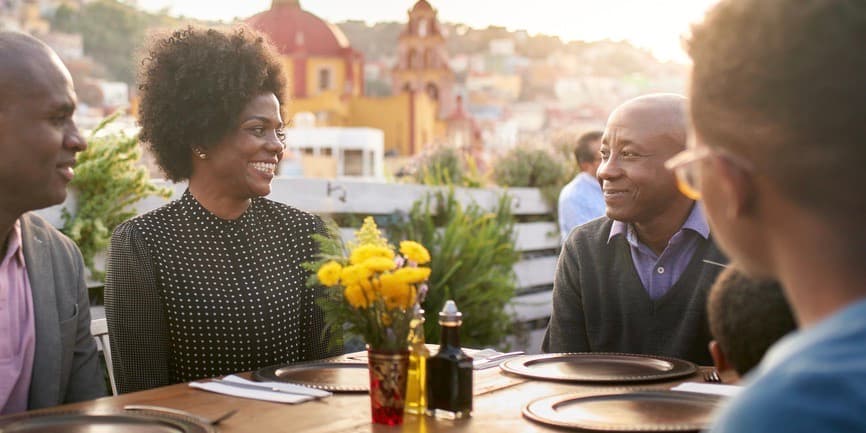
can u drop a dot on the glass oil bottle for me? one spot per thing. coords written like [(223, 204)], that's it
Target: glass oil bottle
[(416, 383), (449, 372)]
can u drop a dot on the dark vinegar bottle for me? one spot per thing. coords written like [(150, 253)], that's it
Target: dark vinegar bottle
[(449, 372)]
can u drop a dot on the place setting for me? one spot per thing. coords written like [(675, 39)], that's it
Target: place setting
[(633, 410), (327, 376), (598, 367), (132, 419), (278, 391)]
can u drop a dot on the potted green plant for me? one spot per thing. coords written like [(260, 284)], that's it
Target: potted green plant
[(108, 181)]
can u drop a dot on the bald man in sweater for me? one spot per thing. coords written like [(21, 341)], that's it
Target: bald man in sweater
[(636, 280)]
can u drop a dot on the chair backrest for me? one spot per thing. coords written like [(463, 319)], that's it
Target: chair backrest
[(99, 329)]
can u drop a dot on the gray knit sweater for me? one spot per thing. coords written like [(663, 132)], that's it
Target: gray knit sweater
[(600, 305)]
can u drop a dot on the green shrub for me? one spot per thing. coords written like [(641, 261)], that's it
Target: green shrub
[(527, 166), (447, 166), (108, 180), (442, 167), (473, 258), (563, 144)]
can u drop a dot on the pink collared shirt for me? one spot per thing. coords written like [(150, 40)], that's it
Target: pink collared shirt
[(17, 327)]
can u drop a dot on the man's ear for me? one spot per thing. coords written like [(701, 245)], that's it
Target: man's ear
[(738, 186), (719, 359)]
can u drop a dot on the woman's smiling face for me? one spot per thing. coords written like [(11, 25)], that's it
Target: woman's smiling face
[(245, 161)]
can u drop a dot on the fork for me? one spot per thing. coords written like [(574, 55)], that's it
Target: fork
[(493, 361), (712, 376)]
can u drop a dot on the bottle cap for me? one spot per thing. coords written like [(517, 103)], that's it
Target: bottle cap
[(418, 312), (450, 315)]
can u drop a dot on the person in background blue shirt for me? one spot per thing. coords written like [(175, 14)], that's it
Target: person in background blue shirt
[(581, 200)]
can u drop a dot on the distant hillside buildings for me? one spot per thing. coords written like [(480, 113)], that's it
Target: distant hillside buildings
[(327, 76)]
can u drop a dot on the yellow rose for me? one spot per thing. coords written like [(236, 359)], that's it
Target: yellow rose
[(396, 293), (354, 275), (355, 295), (412, 275), (329, 273), (378, 264), (362, 253), (415, 252)]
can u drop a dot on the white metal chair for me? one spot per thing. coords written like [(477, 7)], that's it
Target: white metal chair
[(99, 329)]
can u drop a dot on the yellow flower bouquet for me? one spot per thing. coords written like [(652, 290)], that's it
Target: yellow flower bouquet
[(371, 286)]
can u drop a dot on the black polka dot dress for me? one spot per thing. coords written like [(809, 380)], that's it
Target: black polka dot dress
[(189, 295)]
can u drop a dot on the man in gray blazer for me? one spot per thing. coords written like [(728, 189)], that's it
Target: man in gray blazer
[(47, 355)]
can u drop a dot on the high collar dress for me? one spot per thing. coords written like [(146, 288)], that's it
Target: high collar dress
[(189, 295)]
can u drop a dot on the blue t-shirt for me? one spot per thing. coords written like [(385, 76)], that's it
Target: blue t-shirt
[(580, 201), (810, 381)]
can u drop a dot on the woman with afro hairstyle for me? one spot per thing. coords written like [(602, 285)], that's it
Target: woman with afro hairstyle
[(211, 284)]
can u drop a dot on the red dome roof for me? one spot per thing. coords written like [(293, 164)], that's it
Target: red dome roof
[(292, 29), (422, 5)]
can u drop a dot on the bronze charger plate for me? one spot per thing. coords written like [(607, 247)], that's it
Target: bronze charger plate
[(598, 367), (641, 411), (329, 376), (81, 422)]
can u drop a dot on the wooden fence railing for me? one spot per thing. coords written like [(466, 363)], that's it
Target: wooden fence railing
[(537, 241)]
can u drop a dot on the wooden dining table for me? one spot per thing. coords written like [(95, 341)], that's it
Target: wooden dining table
[(499, 398)]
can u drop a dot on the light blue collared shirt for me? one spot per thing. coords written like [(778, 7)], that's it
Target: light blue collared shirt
[(812, 380), (580, 201), (659, 273)]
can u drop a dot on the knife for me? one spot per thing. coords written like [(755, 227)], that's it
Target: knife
[(315, 393)]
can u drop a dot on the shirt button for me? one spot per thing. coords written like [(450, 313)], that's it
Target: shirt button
[(660, 270)]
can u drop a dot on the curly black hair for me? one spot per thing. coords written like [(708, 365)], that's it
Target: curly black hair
[(746, 317), (194, 84)]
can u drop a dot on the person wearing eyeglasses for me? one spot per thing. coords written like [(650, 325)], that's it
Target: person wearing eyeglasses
[(636, 280), (212, 283), (779, 160)]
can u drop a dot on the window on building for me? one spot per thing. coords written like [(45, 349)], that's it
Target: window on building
[(324, 79), (433, 91), (413, 59), (429, 59)]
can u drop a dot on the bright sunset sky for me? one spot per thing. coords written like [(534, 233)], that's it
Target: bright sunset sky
[(653, 24)]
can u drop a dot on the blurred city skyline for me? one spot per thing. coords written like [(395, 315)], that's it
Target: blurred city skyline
[(657, 26)]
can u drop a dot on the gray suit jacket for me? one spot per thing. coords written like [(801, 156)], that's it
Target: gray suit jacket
[(65, 364)]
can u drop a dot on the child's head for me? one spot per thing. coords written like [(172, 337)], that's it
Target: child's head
[(746, 317)]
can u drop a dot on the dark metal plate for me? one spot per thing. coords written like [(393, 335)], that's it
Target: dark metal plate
[(72, 422), (598, 367), (642, 411), (329, 376)]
